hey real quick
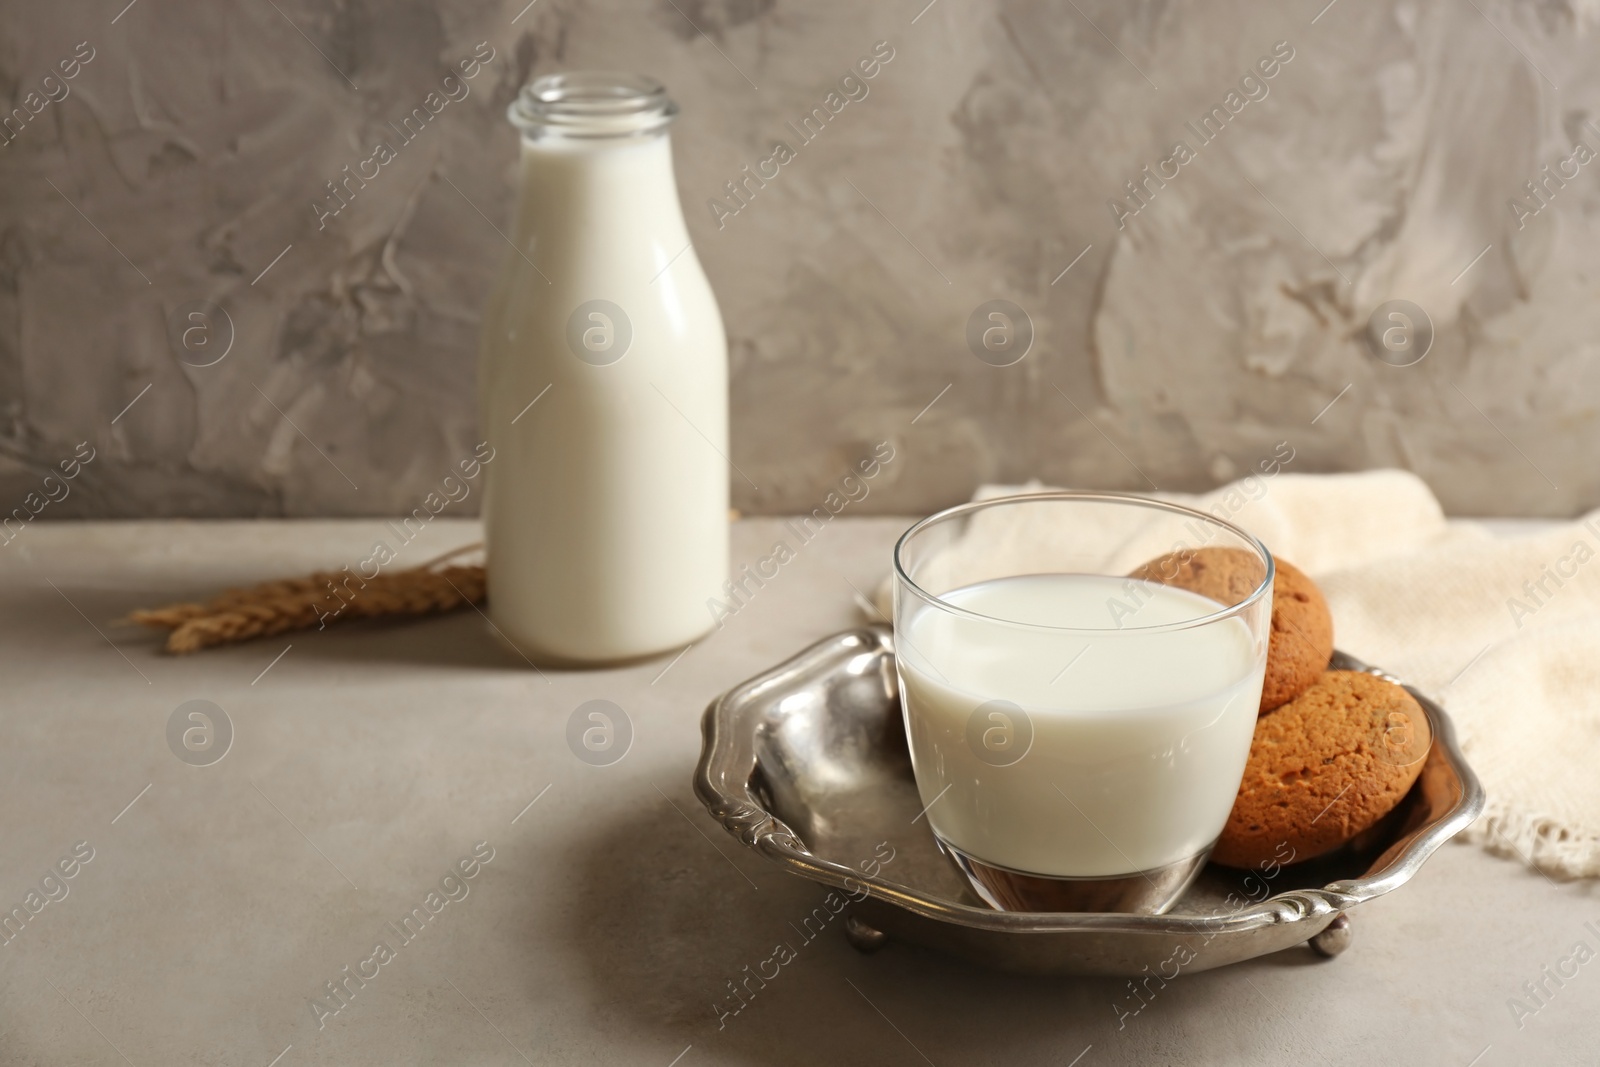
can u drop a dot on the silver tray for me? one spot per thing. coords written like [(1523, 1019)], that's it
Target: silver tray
[(807, 765)]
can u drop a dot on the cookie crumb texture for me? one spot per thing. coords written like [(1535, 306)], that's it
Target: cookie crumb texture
[(1323, 768), (1302, 627)]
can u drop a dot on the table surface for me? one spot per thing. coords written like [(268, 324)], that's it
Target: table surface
[(368, 760)]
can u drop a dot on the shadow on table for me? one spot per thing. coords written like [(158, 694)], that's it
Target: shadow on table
[(457, 639), (462, 638), (666, 930), (680, 940)]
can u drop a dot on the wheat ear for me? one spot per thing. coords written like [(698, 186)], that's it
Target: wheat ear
[(315, 601)]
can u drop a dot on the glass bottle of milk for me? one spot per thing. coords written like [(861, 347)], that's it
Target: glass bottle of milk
[(603, 387)]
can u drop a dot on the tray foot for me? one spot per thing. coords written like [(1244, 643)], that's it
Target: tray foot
[(863, 938), (1334, 939)]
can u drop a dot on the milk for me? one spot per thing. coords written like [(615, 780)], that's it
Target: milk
[(1139, 739), (606, 514)]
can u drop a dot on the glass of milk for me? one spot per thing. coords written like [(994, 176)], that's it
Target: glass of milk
[(1078, 736)]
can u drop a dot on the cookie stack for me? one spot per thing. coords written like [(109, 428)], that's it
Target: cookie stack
[(1334, 751)]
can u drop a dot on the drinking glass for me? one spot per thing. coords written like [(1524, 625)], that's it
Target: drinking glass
[(1078, 735)]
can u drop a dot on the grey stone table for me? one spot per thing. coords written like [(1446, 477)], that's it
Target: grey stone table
[(210, 907)]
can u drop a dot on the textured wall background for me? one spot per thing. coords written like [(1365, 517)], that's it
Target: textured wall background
[(1184, 343)]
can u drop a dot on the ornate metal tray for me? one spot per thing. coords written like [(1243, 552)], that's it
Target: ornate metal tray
[(807, 765)]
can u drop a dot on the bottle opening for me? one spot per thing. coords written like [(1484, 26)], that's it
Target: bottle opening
[(591, 104)]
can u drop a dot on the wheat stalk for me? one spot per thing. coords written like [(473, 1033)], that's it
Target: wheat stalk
[(315, 601)]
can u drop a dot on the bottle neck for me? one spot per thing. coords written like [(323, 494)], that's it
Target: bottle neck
[(608, 195)]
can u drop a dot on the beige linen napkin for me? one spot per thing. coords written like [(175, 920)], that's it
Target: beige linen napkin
[(1504, 632)]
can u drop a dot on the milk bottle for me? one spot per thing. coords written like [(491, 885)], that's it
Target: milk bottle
[(603, 387)]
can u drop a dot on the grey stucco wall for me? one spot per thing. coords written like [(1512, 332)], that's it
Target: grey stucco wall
[(1186, 341)]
